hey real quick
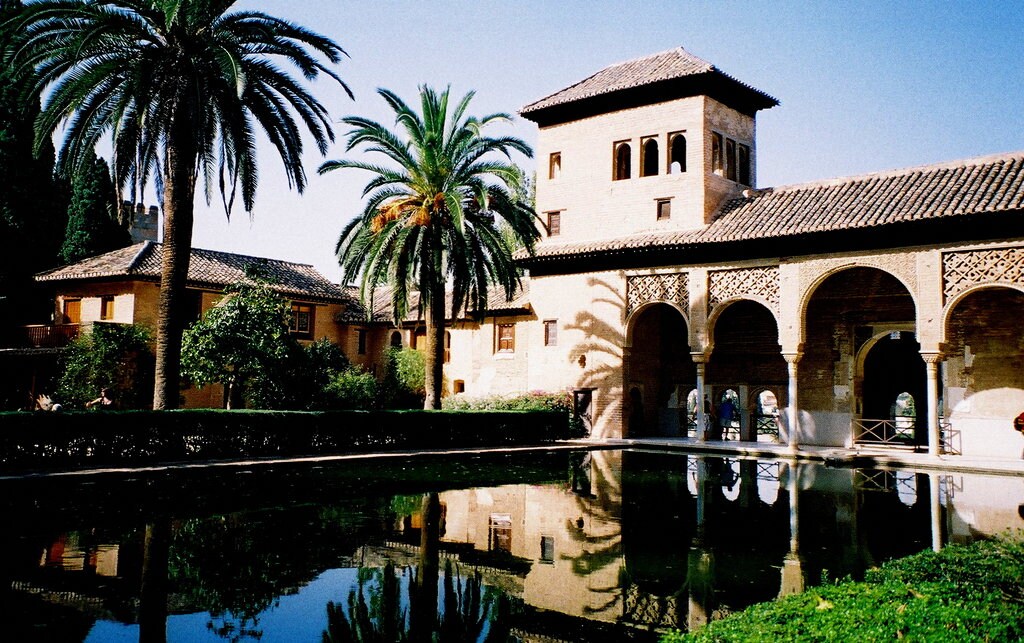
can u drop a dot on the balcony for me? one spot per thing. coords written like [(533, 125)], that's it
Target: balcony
[(45, 336)]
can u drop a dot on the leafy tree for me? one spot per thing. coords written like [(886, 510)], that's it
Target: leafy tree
[(242, 341), (180, 86), (432, 213), (93, 227), (110, 355)]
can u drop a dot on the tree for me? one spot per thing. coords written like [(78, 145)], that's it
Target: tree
[(432, 215), (180, 86), (93, 227), (116, 356), (242, 341)]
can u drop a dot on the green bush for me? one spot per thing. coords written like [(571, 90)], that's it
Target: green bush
[(110, 355), (532, 401), (962, 593), (403, 385), (352, 388)]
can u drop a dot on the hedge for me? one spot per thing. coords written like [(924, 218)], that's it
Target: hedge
[(43, 440)]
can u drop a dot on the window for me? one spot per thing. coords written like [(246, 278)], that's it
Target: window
[(447, 346), (664, 209), (554, 224), (730, 159), (623, 161), (499, 533), (301, 322), (106, 307), (506, 338), (649, 163), (716, 154), (551, 332), (459, 386), (547, 549), (396, 339), (676, 153), (419, 339), (361, 341), (72, 311), (743, 161), (555, 165)]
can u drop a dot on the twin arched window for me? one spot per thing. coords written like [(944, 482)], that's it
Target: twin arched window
[(623, 161), (650, 157)]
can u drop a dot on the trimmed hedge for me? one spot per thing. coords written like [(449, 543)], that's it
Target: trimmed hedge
[(116, 438), (963, 593)]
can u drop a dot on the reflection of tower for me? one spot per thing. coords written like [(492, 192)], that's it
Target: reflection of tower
[(701, 564), (792, 565)]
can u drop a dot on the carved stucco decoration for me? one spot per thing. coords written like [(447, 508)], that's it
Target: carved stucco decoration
[(902, 265), (643, 289), (761, 282), (964, 270)]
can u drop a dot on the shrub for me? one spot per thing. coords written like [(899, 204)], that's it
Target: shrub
[(532, 401), (403, 384), (112, 355), (351, 388)]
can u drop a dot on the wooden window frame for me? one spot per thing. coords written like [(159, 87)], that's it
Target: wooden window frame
[(717, 154), (294, 325), (554, 223), (551, 332), (107, 308), (644, 142), (505, 344), (663, 209), (743, 163), (622, 172), (670, 158), (65, 317), (730, 159), (554, 166), (361, 341)]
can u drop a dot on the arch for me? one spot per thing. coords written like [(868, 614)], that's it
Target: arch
[(623, 161), (721, 307), (947, 311), (634, 315), (888, 367), (649, 157), (812, 288), (658, 372), (676, 153), (396, 339)]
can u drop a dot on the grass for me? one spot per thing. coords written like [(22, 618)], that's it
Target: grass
[(963, 593)]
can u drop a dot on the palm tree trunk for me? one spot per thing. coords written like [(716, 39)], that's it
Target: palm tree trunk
[(178, 202), (434, 358)]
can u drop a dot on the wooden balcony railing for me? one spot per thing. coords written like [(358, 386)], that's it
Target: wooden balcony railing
[(48, 336), (890, 433)]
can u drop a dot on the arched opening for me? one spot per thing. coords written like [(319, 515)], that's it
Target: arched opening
[(659, 373), (860, 353), (766, 416), (677, 154), (396, 339), (983, 368), (746, 358), (649, 166), (623, 161), (894, 377)]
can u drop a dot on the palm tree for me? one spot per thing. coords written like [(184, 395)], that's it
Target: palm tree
[(434, 214), (179, 86)]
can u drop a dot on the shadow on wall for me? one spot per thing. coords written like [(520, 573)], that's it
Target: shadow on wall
[(598, 358)]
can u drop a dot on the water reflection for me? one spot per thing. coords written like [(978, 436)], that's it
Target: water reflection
[(586, 546)]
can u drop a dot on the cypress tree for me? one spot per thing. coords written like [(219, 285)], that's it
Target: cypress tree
[(93, 227)]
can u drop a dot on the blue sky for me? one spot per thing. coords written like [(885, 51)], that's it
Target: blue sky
[(863, 86)]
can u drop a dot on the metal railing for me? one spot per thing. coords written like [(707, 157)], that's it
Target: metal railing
[(891, 433)]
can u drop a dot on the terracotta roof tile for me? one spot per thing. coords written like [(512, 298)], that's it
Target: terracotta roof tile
[(944, 190), (206, 268), (667, 65), (496, 302)]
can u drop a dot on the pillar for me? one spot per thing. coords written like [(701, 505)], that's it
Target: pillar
[(701, 361), (931, 364), (936, 511), (792, 411)]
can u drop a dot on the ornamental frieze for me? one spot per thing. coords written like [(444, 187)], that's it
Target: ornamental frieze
[(964, 270), (761, 282), (644, 289)]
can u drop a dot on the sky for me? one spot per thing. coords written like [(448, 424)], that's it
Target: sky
[(863, 86)]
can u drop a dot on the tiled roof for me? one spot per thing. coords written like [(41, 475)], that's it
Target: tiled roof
[(667, 65), (942, 191), (381, 302), (206, 268)]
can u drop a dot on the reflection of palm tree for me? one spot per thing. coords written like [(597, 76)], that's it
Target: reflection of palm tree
[(153, 593), (381, 620)]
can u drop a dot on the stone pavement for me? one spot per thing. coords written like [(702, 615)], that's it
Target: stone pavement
[(832, 456)]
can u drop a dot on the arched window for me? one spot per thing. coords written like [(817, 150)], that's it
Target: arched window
[(677, 154), (649, 149), (904, 411), (396, 339), (623, 161)]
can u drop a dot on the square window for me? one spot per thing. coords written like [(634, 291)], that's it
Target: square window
[(555, 165), (506, 338), (664, 209), (499, 536), (550, 332), (554, 224)]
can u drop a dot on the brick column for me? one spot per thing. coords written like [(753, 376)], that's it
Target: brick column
[(792, 412), (931, 363)]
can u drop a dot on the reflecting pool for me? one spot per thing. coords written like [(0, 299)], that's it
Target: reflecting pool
[(551, 546)]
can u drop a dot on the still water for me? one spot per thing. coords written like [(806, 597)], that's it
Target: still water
[(552, 546)]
